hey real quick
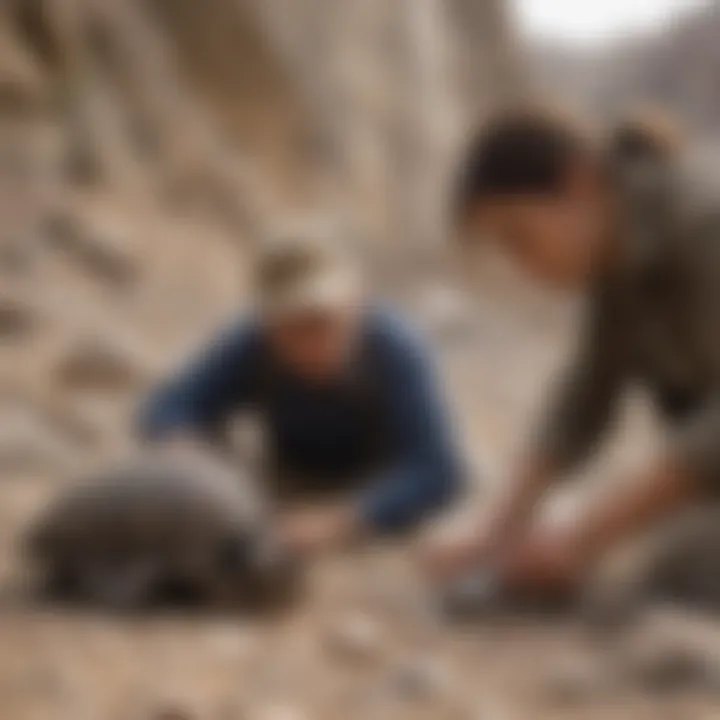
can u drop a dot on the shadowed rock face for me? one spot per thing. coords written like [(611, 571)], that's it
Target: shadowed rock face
[(161, 529)]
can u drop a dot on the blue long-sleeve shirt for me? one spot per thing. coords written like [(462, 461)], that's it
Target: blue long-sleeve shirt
[(386, 414)]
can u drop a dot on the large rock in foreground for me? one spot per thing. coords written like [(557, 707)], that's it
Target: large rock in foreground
[(175, 525)]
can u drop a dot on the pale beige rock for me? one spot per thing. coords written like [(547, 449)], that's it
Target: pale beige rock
[(18, 318), (29, 441), (22, 85), (97, 363), (424, 679), (99, 250), (670, 669), (355, 637), (578, 683)]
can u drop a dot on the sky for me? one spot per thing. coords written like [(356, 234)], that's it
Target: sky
[(596, 20)]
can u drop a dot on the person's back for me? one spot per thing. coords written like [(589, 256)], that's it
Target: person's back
[(653, 315), (669, 283)]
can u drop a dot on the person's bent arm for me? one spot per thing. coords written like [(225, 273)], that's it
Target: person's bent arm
[(577, 420), (665, 488), (687, 472), (193, 405), (426, 472), (690, 468)]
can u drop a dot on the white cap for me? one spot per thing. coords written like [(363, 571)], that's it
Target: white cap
[(295, 275)]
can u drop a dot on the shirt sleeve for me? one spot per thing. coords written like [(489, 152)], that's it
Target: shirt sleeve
[(426, 472), (587, 398), (695, 440), (203, 394)]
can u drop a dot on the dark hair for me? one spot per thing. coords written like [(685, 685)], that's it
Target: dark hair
[(519, 152), (527, 151)]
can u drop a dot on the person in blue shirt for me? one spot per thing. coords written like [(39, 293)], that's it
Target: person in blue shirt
[(347, 396)]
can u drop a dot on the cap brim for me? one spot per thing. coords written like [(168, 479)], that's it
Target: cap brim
[(324, 293)]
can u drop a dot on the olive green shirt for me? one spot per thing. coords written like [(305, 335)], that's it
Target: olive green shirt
[(654, 320)]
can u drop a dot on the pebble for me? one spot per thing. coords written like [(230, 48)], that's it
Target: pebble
[(609, 613), (231, 644), (471, 596), (423, 680), (17, 318), (99, 248), (94, 362), (573, 686), (355, 637), (673, 669)]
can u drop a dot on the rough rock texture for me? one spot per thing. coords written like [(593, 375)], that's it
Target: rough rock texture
[(144, 147), (170, 526)]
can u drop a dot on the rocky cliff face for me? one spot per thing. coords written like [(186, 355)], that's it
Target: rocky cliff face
[(674, 67), (144, 146)]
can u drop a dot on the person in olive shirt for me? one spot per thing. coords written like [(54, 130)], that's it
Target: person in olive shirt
[(624, 220)]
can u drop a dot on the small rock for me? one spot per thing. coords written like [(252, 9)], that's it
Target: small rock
[(355, 637), (72, 419), (471, 596), (17, 254), (99, 250), (575, 685), (615, 597), (686, 566), (607, 614), (97, 364), (17, 319), (230, 643), (420, 681), (28, 441), (672, 669), (23, 88)]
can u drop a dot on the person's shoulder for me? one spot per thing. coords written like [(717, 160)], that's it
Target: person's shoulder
[(700, 210), (698, 188), (678, 191), (242, 334), (394, 334), (675, 207)]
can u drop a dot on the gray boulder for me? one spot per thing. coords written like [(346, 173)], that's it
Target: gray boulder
[(173, 525)]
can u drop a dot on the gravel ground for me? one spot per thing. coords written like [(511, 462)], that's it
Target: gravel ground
[(363, 644)]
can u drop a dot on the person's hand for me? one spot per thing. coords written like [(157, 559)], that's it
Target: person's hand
[(489, 542), (313, 531), (546, 562), (541, 562), (446, 559)]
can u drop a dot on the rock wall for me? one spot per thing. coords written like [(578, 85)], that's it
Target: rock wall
[(146, 144)]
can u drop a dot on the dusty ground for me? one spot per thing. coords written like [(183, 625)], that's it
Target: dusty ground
[(105, 286), (363, 644)]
